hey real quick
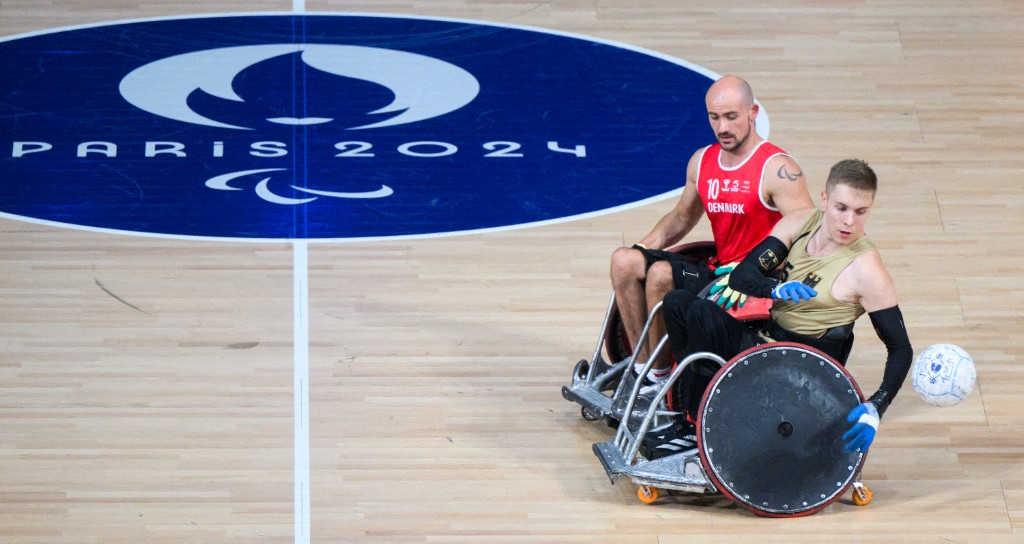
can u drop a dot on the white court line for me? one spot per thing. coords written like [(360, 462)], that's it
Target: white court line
[(301, 388), (300, 273)]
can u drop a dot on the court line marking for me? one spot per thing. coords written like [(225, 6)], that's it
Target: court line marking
[(300, 273), (300, 265), (301, 388)]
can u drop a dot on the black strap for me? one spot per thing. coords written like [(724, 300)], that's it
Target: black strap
[(833, 343)]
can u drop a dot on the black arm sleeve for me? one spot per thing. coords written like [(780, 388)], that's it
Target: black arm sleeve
[(889, 327), (751, 276)]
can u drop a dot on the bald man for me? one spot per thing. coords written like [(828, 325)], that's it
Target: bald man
[(744, 184)]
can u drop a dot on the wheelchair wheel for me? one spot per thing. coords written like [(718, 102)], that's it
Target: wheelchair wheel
[(588, 414), (861, 494), (617, 344), (647, 494), (770, 427), (581, 369)]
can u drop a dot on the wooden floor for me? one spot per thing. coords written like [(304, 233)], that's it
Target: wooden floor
[(146, 385)]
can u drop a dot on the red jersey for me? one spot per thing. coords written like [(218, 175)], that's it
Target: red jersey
[(739, 216)]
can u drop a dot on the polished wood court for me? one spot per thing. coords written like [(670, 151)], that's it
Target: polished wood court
[(146, 385)]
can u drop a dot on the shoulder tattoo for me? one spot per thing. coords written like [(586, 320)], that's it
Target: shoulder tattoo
[(784, 174)]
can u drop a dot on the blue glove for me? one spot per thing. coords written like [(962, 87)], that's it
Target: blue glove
[(720, 292), (860, 436), (793, 291)]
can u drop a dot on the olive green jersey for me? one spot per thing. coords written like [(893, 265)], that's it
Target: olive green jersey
[(815, 316)]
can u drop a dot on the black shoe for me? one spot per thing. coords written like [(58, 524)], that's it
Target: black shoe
[(680, 437)]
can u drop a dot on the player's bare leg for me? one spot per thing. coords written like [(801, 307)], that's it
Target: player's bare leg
[(659, 283), (628, 273)]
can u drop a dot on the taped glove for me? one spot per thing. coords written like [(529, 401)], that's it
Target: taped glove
[(865, 424), (793, 291), (720, 293)]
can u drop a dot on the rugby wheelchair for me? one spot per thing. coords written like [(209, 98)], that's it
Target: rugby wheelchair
[(602, 384), (767, 433)]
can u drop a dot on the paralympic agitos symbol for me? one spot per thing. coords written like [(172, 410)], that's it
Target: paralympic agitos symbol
[(423, 88)]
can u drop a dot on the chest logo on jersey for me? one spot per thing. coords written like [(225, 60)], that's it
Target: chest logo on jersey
[(812, 279), (725, 188)]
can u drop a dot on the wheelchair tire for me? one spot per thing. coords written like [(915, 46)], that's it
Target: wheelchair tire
[(616, 344), (769, 430), (858, 498), (588, 414), (647, 494)]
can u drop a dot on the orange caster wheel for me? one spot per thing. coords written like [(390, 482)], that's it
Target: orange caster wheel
[(647, 494), (861, 494)]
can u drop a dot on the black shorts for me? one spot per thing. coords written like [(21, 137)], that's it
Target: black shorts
[(695, 324), (689, 273)]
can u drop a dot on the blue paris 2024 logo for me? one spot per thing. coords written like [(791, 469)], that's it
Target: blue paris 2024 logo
[(336, 126)]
